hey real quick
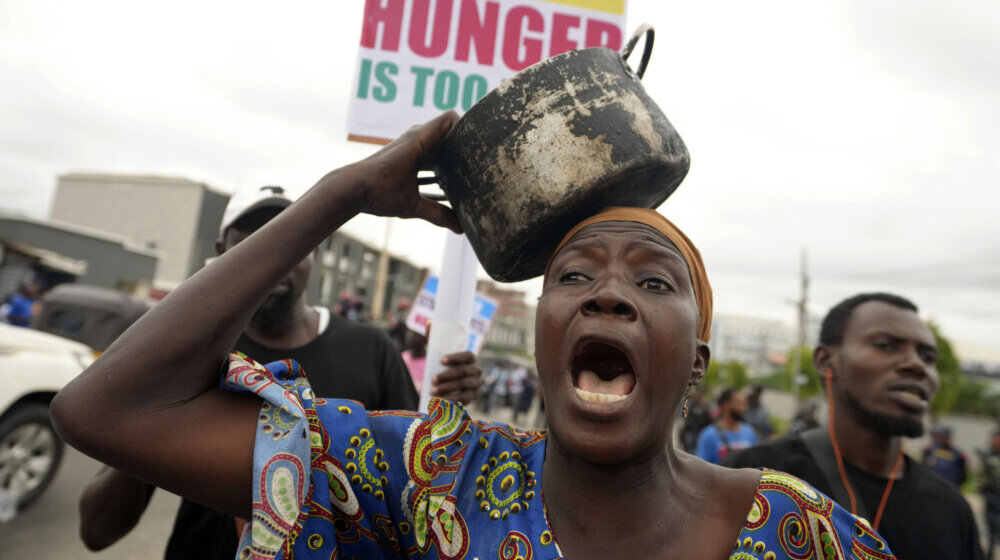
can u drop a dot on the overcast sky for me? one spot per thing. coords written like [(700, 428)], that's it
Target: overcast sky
[(866, 132)]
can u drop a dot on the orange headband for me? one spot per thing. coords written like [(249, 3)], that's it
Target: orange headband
[(655, 220)]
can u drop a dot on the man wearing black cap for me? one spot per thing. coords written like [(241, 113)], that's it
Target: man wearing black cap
[(342, 359), (878, 361)]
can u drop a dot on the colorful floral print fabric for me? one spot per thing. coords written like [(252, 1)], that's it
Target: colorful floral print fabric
[(332, 480)]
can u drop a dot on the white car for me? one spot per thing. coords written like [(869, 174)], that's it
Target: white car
[(33, 366)]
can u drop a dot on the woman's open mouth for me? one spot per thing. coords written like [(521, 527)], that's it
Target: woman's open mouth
[(602, 373)]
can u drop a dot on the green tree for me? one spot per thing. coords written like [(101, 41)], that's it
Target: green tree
[(736, 374), (731, 373), (973, 399), (949, 372), (811, 385), (711, 378), (958, 393)]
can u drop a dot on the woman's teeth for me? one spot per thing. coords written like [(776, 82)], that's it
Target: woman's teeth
[(592, 388), (598, 397)]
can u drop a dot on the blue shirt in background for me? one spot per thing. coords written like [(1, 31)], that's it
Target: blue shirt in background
[(715, 443), (19, 312)]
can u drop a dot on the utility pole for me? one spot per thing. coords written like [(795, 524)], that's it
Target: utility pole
[(381, 276), (801, 307)]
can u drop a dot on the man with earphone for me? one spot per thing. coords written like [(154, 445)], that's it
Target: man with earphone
[(877, 360)]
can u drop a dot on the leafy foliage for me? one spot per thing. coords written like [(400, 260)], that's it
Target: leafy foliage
[(958, 392), (732, 373), (811, 385), (949, 372)]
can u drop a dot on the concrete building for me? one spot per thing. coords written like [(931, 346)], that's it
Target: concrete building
[(346, 264), (179, 220), (513, 327), (177, 217), (756, 342), (51, 253)]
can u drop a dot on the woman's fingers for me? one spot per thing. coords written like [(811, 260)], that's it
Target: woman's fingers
[(391, 174), (459, 358), (457, 381), (443, 124), (437, 214), (466, 396), (454, 378), (428, 135)]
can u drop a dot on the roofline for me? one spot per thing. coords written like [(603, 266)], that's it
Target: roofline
[(140, 179), (48, 258), (376, 249), (82, 230)]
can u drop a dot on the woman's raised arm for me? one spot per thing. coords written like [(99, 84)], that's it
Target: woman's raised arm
[(150, 405)]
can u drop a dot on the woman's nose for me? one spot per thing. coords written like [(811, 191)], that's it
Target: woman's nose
[(610, 301)]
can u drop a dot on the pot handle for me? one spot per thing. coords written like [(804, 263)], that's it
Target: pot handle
[(431, 180), (647, 30)]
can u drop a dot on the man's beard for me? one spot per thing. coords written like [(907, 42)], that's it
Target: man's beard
[(274, 314), (737, 416), (885, 424)]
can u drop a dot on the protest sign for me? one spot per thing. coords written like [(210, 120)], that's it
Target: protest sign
[(483, 310), (421, 57)]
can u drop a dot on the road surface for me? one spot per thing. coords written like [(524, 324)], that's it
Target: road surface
[(49, 529)]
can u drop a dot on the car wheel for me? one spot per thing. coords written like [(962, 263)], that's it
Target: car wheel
[(30, 453)]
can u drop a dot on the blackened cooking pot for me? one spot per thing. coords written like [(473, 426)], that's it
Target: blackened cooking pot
[(552, 145)]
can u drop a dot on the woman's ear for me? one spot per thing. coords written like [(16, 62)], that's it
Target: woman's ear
[(701, 358)]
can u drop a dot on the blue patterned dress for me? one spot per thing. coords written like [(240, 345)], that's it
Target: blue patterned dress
[(334, 481)]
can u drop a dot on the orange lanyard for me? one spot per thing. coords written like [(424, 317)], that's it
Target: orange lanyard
[(888, 490), (843, 473)]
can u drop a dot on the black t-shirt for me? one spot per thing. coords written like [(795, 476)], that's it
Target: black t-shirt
[(348, 361), (924, 518)]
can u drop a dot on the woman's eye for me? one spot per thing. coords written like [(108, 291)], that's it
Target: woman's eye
[(655, 284), (573, 277)]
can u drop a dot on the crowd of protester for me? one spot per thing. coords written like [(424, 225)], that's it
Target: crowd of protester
[(507, 385), (729, 427), (211, 402)]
